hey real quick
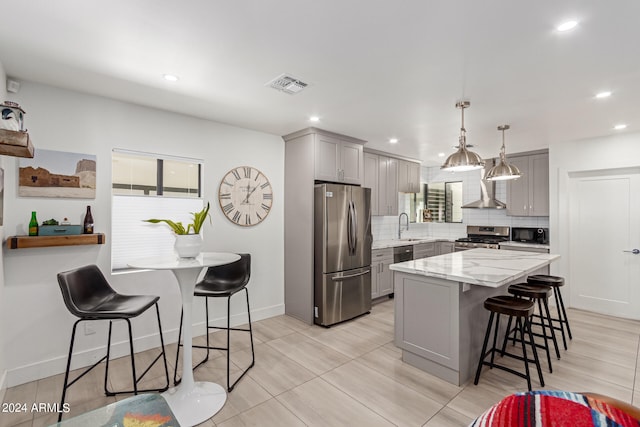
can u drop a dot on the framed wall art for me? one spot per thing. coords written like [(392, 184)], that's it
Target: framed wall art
[(58, 174)]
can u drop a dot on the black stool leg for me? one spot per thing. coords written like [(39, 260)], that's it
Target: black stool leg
[(551, 328), (66, 373), (558, 307), (484, 349), (253, 357), (164, 355), (524, 353), (544, 335), (106, 370), (495, 339), (535, 352), (564, 314), (176, 381), (133, 360)]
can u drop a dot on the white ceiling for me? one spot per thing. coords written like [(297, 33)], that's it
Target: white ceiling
[(377, 69)]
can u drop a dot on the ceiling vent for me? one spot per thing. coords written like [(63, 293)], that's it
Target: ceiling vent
[(287, 84)]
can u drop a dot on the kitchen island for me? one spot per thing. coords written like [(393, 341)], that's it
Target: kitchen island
[(440, 320)]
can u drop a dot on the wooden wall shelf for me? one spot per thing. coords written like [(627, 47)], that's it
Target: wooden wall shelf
[(14, 143), (20, 242)]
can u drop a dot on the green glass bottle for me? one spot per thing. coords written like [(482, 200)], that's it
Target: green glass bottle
[(33, 225)]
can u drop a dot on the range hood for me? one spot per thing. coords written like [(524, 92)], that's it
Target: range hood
[(487, 191)]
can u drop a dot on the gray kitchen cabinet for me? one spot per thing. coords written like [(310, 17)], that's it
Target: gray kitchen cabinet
[(381, 276), (424, 250), (445, 247), (388, 186), (408, 176), (370, 179), (529, 194), (338, 160), (380, 174), (311, 155)]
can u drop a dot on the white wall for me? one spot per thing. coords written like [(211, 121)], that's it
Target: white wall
[(36, 342), (3, 368), (618, 151), (386, 227)]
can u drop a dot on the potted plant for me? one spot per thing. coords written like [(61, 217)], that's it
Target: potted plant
[(188, 244)]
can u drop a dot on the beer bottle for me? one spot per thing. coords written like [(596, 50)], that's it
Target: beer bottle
[(33, 225), (88, 221)]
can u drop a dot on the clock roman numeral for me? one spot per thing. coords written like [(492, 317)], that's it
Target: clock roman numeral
[(265, 185), (227, 208), (259, 217), (257, 176), (247, 172), (225, 195), (236, 173), (236, 217), (267, 196), (247, 219), (227, 183), (265, 207)]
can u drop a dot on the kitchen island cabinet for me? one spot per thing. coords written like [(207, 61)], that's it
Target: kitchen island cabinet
[(440, 320)]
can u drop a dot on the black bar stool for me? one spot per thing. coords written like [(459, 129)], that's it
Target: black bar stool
[(539, 294), (521, 309), (555, 282), (222, 281), (88, 296)]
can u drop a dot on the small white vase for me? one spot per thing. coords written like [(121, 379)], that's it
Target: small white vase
[(188, 245)]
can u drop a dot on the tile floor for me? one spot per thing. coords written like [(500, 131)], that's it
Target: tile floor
[(352, 374)]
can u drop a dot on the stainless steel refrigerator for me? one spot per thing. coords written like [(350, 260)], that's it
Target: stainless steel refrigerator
[(342, 252)]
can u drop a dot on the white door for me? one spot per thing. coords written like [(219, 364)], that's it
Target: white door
[(604, 230)]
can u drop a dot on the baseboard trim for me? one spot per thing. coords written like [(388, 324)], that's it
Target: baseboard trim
[(57, 365)]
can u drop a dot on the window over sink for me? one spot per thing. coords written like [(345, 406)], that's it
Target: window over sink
[(437, 202)]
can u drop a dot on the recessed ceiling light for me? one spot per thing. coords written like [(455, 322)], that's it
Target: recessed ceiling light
[(393, 140), (620, 126), (314, 119), (604, 94), (440, 154), (170, 77), (566, 26)]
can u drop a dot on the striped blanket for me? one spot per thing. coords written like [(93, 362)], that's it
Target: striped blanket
[(545, 408)]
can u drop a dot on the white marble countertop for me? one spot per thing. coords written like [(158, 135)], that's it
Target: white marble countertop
[(484, 267), (392, 243), (524, 245)]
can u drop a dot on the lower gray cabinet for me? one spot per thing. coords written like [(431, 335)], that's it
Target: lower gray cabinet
[(381, 276), (445, 247), (424, 250)]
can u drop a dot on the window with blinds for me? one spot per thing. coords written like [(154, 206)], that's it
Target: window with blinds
[(148, 186)]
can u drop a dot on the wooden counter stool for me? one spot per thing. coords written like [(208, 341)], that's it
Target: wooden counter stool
[(539, 294), (555, 282), (522, 310)]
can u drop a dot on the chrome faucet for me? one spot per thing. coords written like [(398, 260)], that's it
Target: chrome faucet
[(400, 224)]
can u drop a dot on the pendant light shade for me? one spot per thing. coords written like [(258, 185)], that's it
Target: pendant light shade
[(463, 159), (503, 170)]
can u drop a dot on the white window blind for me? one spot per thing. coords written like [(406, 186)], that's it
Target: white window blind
[(133, 238)]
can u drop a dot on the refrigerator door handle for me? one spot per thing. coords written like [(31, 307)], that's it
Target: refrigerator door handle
[(349, 228), (349, 276), (355, 228)]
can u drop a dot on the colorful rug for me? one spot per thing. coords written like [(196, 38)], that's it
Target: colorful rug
[(144, 410), (553, 408)]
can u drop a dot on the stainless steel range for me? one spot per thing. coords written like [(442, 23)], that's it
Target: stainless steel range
[(480, 236)]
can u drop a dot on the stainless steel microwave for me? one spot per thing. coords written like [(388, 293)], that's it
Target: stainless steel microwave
[(530, 235)]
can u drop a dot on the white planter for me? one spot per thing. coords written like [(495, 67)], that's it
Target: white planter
[(188, 245)]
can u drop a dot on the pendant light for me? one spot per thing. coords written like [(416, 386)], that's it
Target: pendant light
[(503, 170), (463, 159)]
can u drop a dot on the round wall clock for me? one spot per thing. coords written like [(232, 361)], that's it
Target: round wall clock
[(245, 196)]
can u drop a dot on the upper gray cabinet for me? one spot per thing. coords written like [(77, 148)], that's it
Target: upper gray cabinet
[(408, 177), (529, 194), (337, 159), (380, 174)]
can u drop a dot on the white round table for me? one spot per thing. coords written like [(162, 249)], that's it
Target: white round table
[(191, 402)]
